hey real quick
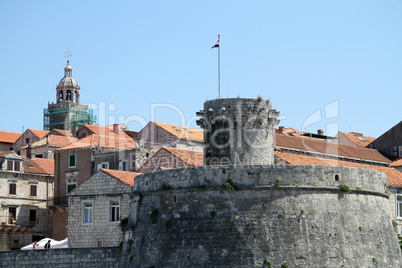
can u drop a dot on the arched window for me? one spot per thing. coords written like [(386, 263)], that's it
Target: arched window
[(60, 96), (68, 97)]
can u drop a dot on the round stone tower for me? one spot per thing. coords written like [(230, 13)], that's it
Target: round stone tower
[(238, 131)]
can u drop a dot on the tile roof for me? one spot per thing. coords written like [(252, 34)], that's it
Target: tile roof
[(289, 131), (353, 137), (113, 142), (317, 146), (182, 132), (191, 157), (9, 137), (123, 176), (396, 163), (37, 166), (54, 140), (67, 133), (107, 131), (39, 133), (394, 176)]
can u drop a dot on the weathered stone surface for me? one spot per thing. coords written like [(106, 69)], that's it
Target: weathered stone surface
[(238, 131), (188, 218)]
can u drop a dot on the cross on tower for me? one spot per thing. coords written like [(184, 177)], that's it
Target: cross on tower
[(68, 54)]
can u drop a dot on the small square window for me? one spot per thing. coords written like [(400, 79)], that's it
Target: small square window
[(33, 190), (71, 160), (27, 140), (71, 187), (123, 165), (12, 188)]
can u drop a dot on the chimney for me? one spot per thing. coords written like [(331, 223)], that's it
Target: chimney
[(320, 132), (115, 128), (280, 129), (31, 152)]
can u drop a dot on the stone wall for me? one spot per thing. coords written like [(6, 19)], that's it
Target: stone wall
[(238, 131), (61, 258), (99, 190), (240, 216)]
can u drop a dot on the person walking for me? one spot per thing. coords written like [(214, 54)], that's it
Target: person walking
[(35, 245)]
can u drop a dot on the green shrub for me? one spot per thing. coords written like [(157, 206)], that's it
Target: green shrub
[(123, 223), (285, 265), (212, 214), (230, 186), (358, 188), (267, 263), (344, 188)]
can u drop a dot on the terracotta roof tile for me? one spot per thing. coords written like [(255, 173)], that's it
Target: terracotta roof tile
[(396, 163), (123, 176), (353, 137), (94, 140), (39, 133), (182, 132), (394, 176), (9, 137), (191, 157), (320, 146), (40, 165), (107, 131), (67, 133), (54, 140)]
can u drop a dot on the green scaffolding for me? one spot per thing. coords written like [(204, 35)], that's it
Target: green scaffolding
[(67, 117)]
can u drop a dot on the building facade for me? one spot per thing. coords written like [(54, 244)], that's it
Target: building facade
[(26, 189)]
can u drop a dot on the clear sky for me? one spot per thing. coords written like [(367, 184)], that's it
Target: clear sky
[(323, 64)]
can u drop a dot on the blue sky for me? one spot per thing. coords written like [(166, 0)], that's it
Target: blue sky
[(324, 64)]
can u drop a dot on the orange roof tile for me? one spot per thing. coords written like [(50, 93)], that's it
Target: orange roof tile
[(107, 131), (39, 133), (320, 146), (396, 163), (123, 176), (182, 132), (9, 137), (94, 140), (191, 157), (53, 140), (67, 133), (353, 137), (394, 176)]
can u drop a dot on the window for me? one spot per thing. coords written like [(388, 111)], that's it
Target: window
[(88, 213), (33, 190), (71, 186), (16, 165), (114, 211), (123, 165), (10, 165), (399, 207), (27, 140), (12, 188), (104, 165), (32, 215), (400, 151), (394, 150), (71, 160), (12, 213)]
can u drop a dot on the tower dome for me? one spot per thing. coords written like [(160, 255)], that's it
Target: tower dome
[(68, 89)]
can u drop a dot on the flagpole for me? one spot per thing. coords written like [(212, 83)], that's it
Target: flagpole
[(219, 67)]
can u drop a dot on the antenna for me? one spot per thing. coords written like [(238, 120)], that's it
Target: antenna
[(68, 54)]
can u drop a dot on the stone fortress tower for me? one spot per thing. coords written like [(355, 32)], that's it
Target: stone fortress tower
[(67, 113), (240, 215)]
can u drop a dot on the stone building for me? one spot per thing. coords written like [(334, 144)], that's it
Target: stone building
[(246, 215), (125, 160), (29, 136), (96, 207), (45, 147), (74, 164), (67, 113), (26, 186), (352, 138), (7, 140), (156, 135), (168, 158), (390, 142)]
